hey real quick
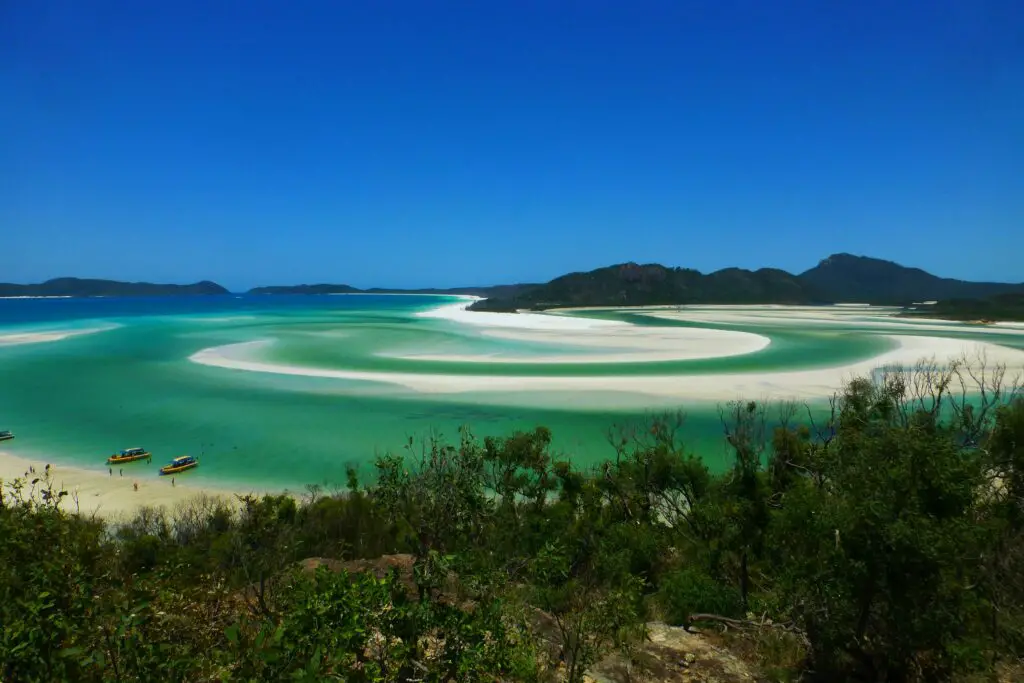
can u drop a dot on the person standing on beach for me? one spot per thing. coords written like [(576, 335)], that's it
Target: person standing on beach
[(172, 481), (120, 472), (111, 470), (135, 485)]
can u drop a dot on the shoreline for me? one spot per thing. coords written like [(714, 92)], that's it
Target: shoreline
[(29, 296), (471, 297), (110, 496), (592, 340)]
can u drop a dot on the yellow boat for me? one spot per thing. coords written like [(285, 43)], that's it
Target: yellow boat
[(180, 464), (129, 455)]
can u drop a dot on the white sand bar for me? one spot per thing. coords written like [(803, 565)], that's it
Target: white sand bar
[(523, 320), (587, 340), (603, 341), (800, 384), (860, 317), (16, 338)]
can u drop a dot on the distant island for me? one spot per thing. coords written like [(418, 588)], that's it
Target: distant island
[(78, 287), (305, 289), (840, 278), (485, 292)]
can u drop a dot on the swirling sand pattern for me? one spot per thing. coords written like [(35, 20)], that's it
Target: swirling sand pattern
[(287, 391)]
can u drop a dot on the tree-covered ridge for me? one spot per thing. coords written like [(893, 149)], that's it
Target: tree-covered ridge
[(884, 543), (78, 287), (844, 278), (631, 284), (840, 278), (993, 309)]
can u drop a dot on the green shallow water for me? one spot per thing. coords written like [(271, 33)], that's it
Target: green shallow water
[(78, 399)]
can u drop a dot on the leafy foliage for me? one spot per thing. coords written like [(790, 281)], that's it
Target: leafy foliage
[(884, 545), (1008, 306)]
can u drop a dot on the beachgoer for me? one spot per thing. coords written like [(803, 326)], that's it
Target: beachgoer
[(120, 471), (111, 470), (172, 481), (136, 485)]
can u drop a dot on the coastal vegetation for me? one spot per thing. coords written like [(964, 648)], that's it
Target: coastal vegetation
[(1002, 307), (885, 543)]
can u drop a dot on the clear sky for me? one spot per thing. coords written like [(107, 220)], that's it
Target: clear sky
[(454, 143)]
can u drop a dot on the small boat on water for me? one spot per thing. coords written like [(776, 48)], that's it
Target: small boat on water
[(6, 435), (180, 464), (129, 455)]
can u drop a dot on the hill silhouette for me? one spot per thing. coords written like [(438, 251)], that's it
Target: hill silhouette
[(304, 289), (845, 278), (496, 291), (840, 278), (79, 287)]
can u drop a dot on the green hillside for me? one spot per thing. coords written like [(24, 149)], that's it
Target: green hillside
[(841, 278), (78, 287)]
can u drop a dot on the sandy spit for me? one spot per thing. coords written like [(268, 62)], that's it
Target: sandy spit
[(588, 340), (16, 338)]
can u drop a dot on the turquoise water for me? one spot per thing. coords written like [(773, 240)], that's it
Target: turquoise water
[(80, 398)]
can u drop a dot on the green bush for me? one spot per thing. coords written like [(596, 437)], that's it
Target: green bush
[(690, 591), (888, 549)]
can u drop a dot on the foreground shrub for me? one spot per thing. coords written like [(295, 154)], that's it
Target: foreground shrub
[(690, 591)]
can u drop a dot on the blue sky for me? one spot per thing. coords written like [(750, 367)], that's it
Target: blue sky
[(452, 143)]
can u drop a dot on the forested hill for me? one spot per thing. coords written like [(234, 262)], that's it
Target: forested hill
[(1008, 306), (78, 287), (631, 284), (841, 278)]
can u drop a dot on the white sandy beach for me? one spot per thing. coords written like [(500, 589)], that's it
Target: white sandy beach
[(112, 497)]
